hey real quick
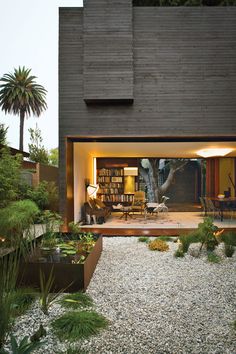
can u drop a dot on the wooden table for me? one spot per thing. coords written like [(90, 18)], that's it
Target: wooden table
[(224, 203)]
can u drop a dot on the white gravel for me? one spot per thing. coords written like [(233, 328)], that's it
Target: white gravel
[(155, 303)]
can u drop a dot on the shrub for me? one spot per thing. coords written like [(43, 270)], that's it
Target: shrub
[(165, 238), (229, 250), (10, 167), (77, 325), (45, 195), (143, 239), (228, 238), (158, 245), (21, 300), (77, 300), (213, 258), (179, 253), (24, 346), (16, 218)]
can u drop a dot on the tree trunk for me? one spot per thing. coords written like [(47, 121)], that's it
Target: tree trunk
[(22, 120)]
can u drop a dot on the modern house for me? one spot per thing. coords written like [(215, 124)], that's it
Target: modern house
[(144, 82)]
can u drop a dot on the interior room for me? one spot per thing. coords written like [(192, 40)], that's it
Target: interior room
[(130, 180)]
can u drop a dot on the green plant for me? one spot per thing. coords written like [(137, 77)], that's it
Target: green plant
[(21, 95), (165, 238), (52, 223), (24, 347), (77, 300), (229, 250), (213, 258), (17, 218), (21, 300), (158, 245), (37, 151), (187, 239), (75, 229), (77, 325), (143, 239), (53, 157), (41, 332), (45, 195), (228, 238), (47, 296), (3, 134), (9, 267), (10, 169), (179, 253)]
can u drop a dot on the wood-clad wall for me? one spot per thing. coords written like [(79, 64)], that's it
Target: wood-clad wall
[(108, 50), (184, 73)]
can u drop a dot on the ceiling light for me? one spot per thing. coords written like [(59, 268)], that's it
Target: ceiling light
[(213, 152)]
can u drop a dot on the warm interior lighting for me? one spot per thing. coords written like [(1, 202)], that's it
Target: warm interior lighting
[(95, 171), (211, 152), (130, 171), (92, 190)]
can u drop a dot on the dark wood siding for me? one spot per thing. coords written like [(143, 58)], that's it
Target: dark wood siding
[(108, 50)]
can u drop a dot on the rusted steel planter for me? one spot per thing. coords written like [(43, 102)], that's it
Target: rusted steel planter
[(68, 276)]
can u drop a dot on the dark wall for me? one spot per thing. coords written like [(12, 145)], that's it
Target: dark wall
[(184, 67)]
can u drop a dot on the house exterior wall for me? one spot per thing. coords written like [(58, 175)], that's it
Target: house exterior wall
[(184, 74)]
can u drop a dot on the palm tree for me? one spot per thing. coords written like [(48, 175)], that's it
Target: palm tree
[(21, 95)]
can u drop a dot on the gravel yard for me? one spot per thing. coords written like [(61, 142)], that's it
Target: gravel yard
[(155, 303)]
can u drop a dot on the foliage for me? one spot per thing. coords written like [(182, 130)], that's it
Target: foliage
[(234, 324), (228, 238), (16, 218), (9, 267), (47, 297), (53, 157), (229, 250), (41, 332), (24, 347), (21, 300), (205, 234), (75, 229), (77, 325), (184, 2), (3, 134), (179, 253), (21, 95), (45, 195), (143, 239), (213, 258), (77, 300), (10, 167), (52, 223), (37, 151), (165, 238), (158, 245)]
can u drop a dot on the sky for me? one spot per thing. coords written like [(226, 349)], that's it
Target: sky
[(29, 37)]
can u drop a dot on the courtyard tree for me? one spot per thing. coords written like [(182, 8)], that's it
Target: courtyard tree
[(3, 134), (150, 171), (37, 151), (21, 95)]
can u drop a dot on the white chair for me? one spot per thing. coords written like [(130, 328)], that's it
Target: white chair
[(162, 207)]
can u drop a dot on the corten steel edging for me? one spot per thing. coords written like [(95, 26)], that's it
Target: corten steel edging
[(145, 232), (68, 276)]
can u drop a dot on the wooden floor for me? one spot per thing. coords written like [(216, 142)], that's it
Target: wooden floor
[(174, 224)]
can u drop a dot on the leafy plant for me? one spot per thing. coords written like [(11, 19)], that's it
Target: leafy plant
[(41, 332), (37, 151), (16, 218), (158, 245), (10, 169), (229, 250), (53, 157), (143, 239), (45, 195), (77, 300), (213, 258), (9, 267), (47, 296), (75, 229), (21, 300), (52, 223), (228, 238), (77, 325), (165, 238), (24, 347), (179, 253), (3, 134)]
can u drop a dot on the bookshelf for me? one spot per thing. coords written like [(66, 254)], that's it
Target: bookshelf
[(111, 186)]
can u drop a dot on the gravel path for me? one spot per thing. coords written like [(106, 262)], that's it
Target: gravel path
[(156, 304), (159, 304)]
